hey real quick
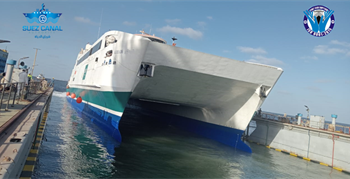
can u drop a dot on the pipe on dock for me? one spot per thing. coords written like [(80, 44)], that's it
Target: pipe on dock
[(308, 145), (267, 132), (333, 150), (10, 66)]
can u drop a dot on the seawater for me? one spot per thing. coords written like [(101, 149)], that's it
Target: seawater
[(73, 147)]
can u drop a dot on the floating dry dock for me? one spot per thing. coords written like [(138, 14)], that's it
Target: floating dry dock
[(21, 131), (321, 146)]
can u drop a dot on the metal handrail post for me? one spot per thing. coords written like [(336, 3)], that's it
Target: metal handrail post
[(2, 96), (8, 99), (19, 93), (14, 96), (30, 85), (2, 88)]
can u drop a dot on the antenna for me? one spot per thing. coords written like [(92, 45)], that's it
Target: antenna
[(98, 34), (150, 30), (34, 60)]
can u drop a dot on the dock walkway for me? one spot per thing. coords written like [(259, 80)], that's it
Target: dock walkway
[(21, 130), (16, 107)]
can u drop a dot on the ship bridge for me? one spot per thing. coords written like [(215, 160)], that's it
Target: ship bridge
[(153, 38)]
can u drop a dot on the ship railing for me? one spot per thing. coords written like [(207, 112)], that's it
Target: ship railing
[(305, 122)]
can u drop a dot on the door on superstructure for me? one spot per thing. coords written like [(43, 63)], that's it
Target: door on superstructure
[(86, 67)]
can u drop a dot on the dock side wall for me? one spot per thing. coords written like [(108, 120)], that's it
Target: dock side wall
[(326, 147)]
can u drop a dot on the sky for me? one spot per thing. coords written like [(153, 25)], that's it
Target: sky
[(316, 69)]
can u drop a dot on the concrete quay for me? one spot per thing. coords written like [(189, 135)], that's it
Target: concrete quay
[(315, 145), (21, 131)]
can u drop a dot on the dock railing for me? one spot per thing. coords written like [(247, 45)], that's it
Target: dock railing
[(10, 94), (304, 122)]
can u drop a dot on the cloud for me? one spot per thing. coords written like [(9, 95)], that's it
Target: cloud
[(324, 81), (336, 42), (173, 21), (85, 20), (309, 58), (264, 60), (341, 48), (210, 17), (313, 89), (201, 23), (324, 49), (129, 23), (252, 50), (189, 32)]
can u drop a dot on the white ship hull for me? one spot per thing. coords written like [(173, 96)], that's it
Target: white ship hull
[(191, 85)]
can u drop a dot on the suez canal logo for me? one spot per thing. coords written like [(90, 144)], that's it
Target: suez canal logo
[(42, 16), (319, 20)]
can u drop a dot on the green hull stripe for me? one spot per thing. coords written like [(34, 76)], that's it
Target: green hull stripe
[(113, 100)]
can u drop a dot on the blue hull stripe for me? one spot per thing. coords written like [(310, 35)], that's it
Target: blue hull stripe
[(225, 135), (110, 122), (106, 121)]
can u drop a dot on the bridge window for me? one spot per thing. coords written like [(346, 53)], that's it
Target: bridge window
[(96, 47), (90, 52)]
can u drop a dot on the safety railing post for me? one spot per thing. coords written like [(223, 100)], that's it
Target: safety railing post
[(2, 96), (14, 96), (9, 97), (19, 93)]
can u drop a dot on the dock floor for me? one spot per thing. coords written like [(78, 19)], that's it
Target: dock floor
[(19, 127), (13, 110)]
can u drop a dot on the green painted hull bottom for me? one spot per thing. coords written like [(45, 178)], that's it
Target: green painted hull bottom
[(113, 100)]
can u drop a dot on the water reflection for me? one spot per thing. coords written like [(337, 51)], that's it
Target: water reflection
[(76, 148)]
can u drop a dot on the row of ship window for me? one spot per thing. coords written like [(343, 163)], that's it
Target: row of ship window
[(92, 51)]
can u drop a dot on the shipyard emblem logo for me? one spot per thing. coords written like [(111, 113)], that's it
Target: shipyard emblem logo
[(42, 16), (319, 20)]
